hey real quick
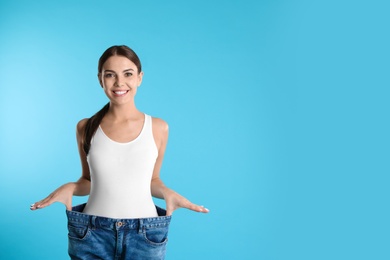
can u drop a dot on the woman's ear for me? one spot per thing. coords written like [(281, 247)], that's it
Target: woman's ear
[(140, 76), (100, 79)]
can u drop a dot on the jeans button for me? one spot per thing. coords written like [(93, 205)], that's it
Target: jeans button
[(119, 224)]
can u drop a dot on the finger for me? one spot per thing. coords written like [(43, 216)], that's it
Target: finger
[(68, 205), (36, 205), (204, 210), (44, 204), (41, 204), (197, 208), (170, 211)]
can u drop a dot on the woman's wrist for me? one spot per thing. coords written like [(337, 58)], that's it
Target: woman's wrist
[(73, 187), (165, 191)]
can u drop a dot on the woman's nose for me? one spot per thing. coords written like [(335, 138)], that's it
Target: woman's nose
[(119, 81)]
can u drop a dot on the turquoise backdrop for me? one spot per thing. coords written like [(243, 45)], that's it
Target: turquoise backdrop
[(278, 114)]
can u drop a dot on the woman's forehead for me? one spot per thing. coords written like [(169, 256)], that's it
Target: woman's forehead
[(119, 63)]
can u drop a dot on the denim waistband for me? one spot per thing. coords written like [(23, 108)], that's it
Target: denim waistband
[(76, 215)]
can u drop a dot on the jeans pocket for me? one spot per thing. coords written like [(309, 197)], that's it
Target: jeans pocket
[(156, 235), (77, 230)]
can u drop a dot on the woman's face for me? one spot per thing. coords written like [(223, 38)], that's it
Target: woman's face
[(120, 79)]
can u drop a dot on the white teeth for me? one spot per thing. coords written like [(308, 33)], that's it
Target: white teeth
[(120, 92)]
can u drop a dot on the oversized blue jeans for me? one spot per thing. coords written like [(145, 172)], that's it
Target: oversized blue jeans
[(94, 237)]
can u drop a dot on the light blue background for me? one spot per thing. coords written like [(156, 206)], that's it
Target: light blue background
[(278, 114)]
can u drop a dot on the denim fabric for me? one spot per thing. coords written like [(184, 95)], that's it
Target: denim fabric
[(94, 237)]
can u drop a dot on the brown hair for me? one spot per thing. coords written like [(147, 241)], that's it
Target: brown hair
[(94, 122)]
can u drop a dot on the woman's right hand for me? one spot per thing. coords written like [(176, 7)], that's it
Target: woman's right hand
[(63, 194)]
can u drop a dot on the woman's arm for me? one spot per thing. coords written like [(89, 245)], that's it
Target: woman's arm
[(172, 199), (79, 188)]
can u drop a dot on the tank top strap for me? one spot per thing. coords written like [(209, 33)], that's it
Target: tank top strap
[(148, 125)]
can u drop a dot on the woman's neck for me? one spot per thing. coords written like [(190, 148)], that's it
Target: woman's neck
[(123, 112)]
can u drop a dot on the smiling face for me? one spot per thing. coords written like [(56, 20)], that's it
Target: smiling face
[(120, 79)]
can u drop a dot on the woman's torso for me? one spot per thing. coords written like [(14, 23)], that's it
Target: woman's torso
[(121, 174)]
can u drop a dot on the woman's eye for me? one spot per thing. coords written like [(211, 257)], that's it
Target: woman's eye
[(128, 74), (109, 75)]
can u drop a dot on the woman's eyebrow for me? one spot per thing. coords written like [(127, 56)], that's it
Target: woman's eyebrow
[(114, 71)]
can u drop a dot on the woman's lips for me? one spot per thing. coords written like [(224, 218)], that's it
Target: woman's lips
[(120, 92)]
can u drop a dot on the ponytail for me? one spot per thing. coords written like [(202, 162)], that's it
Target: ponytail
[(91, 127)]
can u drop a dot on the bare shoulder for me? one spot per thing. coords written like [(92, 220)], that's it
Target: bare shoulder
[(81, 125), (160, 130), (159, 125)]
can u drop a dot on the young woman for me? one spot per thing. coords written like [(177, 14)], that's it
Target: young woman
[(121, 151)]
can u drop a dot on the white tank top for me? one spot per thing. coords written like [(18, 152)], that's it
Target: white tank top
[(121, 174)]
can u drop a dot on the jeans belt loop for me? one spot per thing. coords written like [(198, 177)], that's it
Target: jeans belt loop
[(93, 222), (140, 226)]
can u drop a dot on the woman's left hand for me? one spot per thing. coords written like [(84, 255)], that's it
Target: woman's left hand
[(175, 201)]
